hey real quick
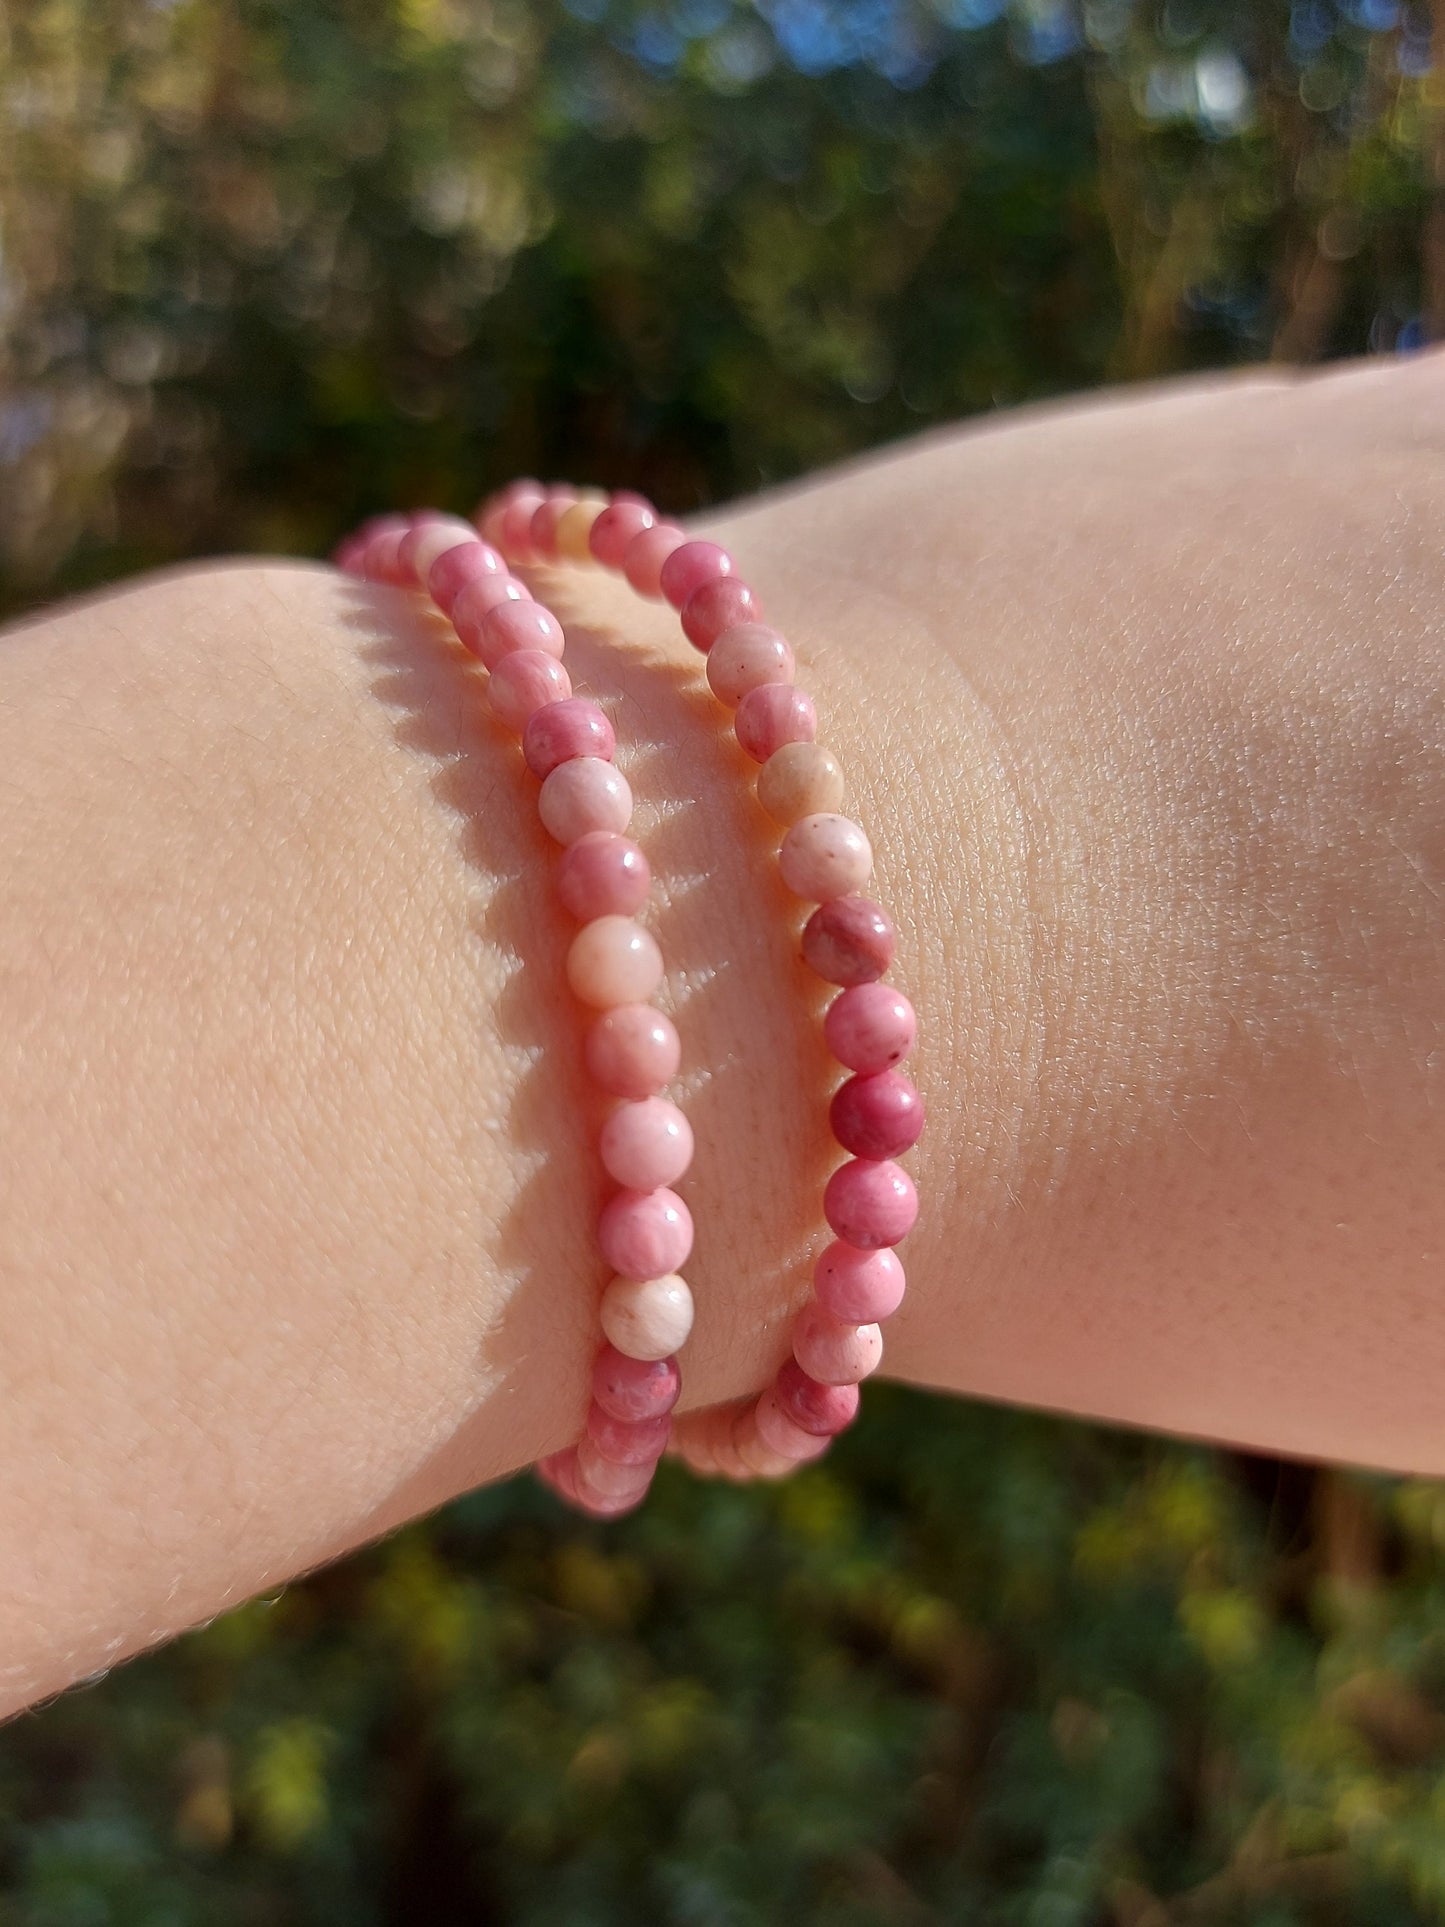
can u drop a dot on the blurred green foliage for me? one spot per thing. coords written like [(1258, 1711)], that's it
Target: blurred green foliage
[(265, 265)]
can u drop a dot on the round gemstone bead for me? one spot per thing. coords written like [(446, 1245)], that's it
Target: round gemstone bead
[(451, 572), (717, 605), (860, 1287), (850, 940), (784, 1435), (574, 528), (523, 682), (645, 1234), (746, 657), (616, 1480), (647, 1317), (542, 530), (602, 874), (823, 1410), (612, 961), (518, 623), (632, 1051), (877, 1117), (582, 797), (640, 1441), (689, 567), (771, 715), (633, 1388), (798, 780), (870, 1027), (429, 537), (515, 527), (576, 727), (475, 600), (825, 856), (833, 1351), (611, 534), (647, 552), (870, 1202), (645, 1144), (380, 560)]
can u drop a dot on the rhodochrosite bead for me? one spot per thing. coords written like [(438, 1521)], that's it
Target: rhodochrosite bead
[(632, 1051), (877, 1117), (603, 874), (860, 1287), (718, 604), (870, 1202), (583, 797), (870, 1027), (645, 1234), (573, 727), (647, 1317), (634, 1388), (850, 940)]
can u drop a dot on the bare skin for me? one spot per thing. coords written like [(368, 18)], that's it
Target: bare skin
[(1144, 707)]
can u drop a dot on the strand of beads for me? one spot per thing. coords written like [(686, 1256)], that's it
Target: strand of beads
[(613, 965), (876, 1114)]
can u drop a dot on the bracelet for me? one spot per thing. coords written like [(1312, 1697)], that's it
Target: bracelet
[(613, 966), (849, 941)]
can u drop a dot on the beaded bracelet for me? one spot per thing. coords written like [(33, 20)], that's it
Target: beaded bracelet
[(876, 1114), (613, 966)]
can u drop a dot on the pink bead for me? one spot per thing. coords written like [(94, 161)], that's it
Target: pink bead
[(559, 1471), (784, 1435), (451, 572), (632, 1051), (773, 714), (689, 567), (602, 874), (634, 1388), (717, 605), (518, 624), (870, 1202), (639, 1441), (877, 1117), (522, 683), (646, 1144), (475, 600), (489, 516), (745, 657), (542, 530), (576, 727), (850, 940), (825, 856), (430, 536), (380, 559), (646, 554), (612, 961), (612, 532), (871, 1027), (523, 501), (582, 797), (612, 1480), (823, 1410), (647, 1317), (645, 1234), (859, 1287), (832, 1351)]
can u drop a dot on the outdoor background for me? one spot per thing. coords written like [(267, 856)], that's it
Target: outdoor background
[(270, 264)]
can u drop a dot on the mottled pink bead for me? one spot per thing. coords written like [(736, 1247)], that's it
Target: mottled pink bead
[(490, 514), (583, 796), (517, 623), (612, 960), (646, 554), (850, 940), (859, 1286), (632, 1051), (634, 1388), (773, 714), (645, 1234), (559, 1471), (871, 1027), (523, 501), (823, 1410), (646, 1144), (612, 533), (784, 1435), (689, 567), (877, 1117), (614, 1481), (431, 535), (639, 1441), (476, 599), (745, 657), (719, 604), (574, 727), (602, 875), (380, 560), (451, 572), (825, 856), (833, 1350), (870, 1202), (542, 530), (523, 682)]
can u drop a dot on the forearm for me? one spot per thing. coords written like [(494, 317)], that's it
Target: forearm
[(296, 1229)]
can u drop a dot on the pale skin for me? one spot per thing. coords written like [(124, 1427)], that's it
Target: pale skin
[(1143, 705)]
